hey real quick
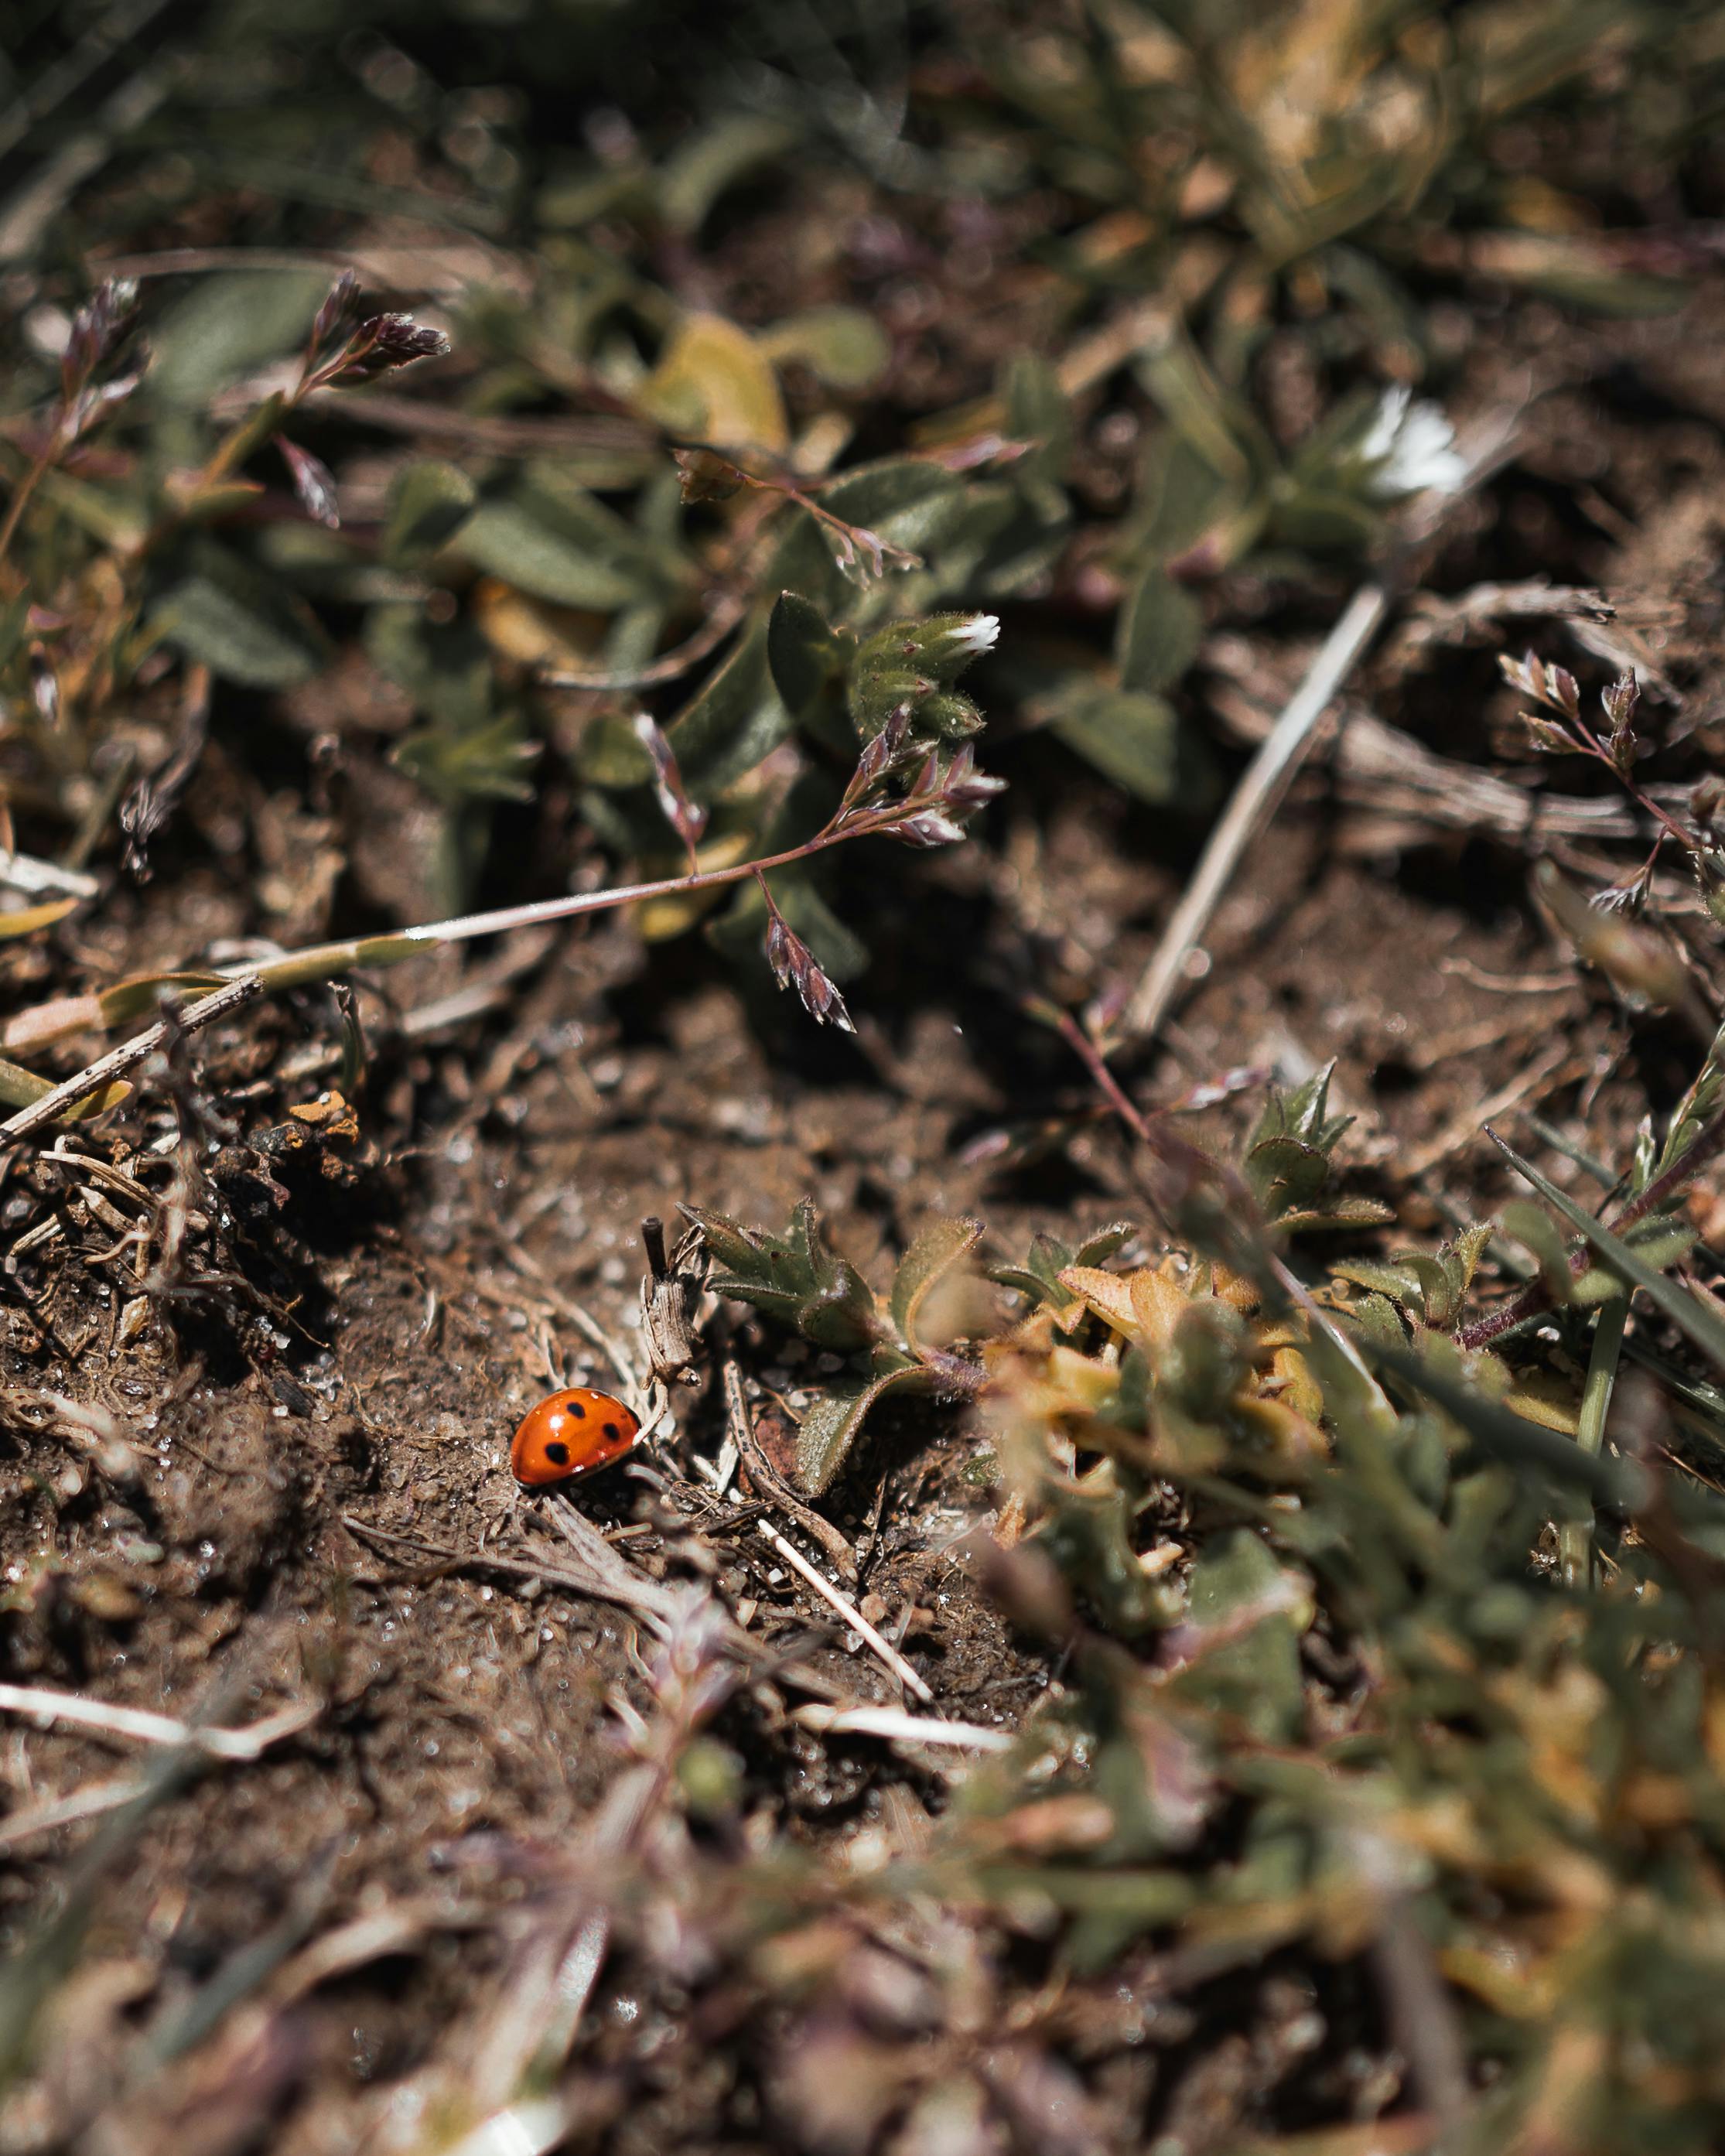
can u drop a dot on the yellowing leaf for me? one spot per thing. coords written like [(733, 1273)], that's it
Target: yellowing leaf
[(44, 1023), (659, 919), (715, 384), (530, 632), (30, 918), (1551, 1402), (1109, 1295)]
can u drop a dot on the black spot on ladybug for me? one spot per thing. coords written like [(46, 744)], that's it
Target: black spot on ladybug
[(611, 1431), (558, 1453), (576, 1408)]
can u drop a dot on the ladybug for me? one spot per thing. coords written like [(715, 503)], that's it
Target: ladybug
[(570, 1434)]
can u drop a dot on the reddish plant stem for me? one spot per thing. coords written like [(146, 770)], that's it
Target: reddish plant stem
[(1107, 1084)]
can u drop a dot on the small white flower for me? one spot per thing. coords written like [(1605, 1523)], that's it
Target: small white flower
[(1412, 447), (980, 633)]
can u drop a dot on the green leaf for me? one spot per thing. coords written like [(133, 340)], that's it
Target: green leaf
[(22, 1089), (15, 615), (27, 919), (1129, 738), (1506, 1434), (1687, 1312), (732, 722), (940, 1246), (446, 667), (842, 346), (227, 325), (429, 505), (1396, 1281), (726, 1241), (715, 158), (1535, 1230), (831, 1425), (139, 994), (535, 551), (793, 1277), (714, 381), (807, 657), (243, 626), (1094, 1247), (1160, 629), (491, 762), (1241, 1642), (1088, 1534), (1181, 496)]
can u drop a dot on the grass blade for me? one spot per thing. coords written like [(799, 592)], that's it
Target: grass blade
[(1691, 1317)]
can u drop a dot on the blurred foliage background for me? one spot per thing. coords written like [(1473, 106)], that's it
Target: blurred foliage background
[(498, 375), (1106, 315)]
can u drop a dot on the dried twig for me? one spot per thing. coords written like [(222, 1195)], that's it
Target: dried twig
[(1265, 779), (144, 1727), (740, 1425), (94, 1077), (90, 1800), (1253, 802), (899, 1728), (24, 872), (848, 1611)]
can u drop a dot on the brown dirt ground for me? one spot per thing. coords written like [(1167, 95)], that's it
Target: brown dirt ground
[(347, 1367)]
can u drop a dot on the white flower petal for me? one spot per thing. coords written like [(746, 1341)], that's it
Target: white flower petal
[(1414, 447), (980, 633)]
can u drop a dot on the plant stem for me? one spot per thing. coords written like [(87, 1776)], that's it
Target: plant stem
[(1575, 1537), (38, 1103), (22, 492)]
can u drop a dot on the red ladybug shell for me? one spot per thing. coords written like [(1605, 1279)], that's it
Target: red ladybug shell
[(570, 1434)]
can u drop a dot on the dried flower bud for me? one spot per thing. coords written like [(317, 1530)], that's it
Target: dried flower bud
[(926, 831), (1710, 877), (1554, 686), (312, 483), (383, 343), (99, 329), (863, 555), (1620, 700), (705, 477), (879, 755), (1546, 735), (339, 308), (964, 789), (44, 687), (94, 401), (688, 821), (794, 966)]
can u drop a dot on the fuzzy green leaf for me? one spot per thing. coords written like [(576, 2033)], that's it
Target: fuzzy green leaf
[(429, 505), (1532, 1226), (830, 1427), (243, 626), (1128, 735), (941, 1246), (1160, 629), (806, 657)]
